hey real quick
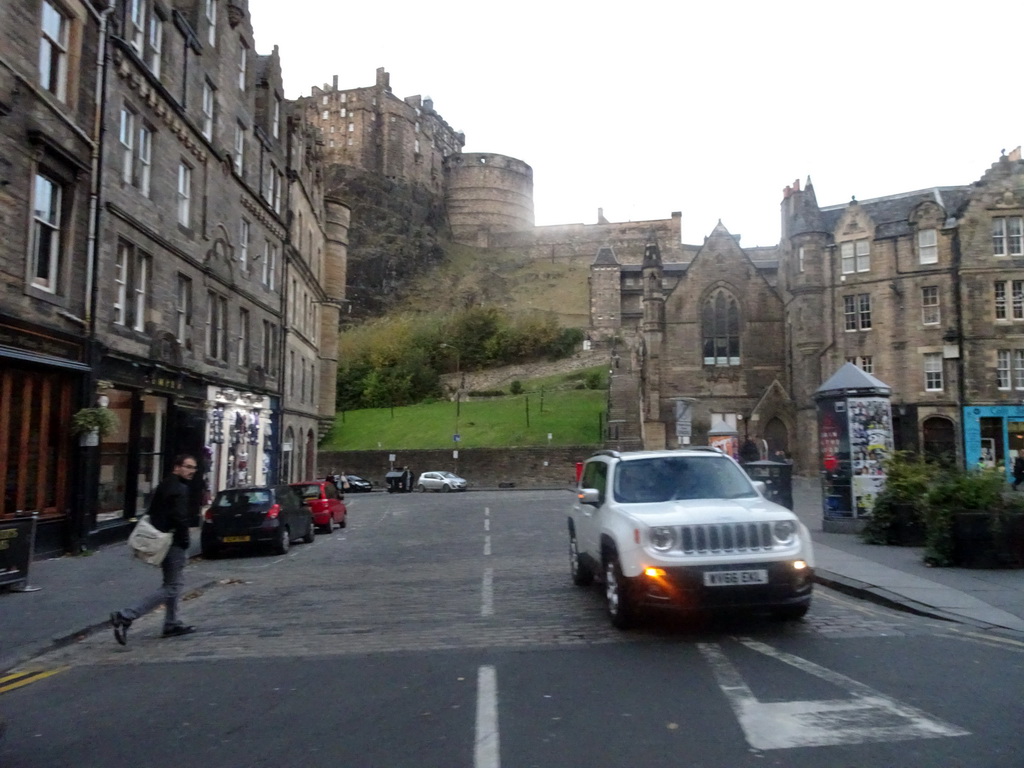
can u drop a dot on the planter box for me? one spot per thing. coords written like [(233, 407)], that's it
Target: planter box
[(976, 545), (907, 529)]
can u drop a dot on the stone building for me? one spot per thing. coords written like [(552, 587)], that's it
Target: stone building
[(171, 260), (919, 289), (374, 131), (49, 76)]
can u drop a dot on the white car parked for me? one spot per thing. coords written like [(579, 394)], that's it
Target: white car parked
[(685, 529), (440, 481)]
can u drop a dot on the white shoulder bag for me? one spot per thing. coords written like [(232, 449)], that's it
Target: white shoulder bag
[(148, 543)]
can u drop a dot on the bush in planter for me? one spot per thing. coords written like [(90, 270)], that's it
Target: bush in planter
[(95, 419), (897, 517), (954, 492)]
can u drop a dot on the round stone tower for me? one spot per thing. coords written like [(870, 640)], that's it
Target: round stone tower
[(487, 193)]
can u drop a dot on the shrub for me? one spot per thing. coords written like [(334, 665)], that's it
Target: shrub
[(958, 490), (907, 478), (592, 380), (486, 393), (516, 387)]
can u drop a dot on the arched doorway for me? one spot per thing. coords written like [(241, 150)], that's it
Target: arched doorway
[(777, 437), (940, 440), (310, 456)]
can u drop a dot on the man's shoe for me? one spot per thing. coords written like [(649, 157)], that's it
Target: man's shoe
[(180, 629), (120, 625)]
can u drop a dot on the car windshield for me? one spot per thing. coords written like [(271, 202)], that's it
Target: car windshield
[(239, 498), (308, 491), (673, 478), (450, 476)]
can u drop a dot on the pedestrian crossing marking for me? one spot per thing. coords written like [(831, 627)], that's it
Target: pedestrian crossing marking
[(21, 679), (865, 716)]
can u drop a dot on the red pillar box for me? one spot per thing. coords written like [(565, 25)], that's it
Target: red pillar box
[(579, 471)]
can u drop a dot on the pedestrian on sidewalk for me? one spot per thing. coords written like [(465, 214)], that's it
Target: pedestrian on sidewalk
[(168, 512), (1018, 469)]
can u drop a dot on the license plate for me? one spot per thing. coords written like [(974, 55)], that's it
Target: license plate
[(234, 539), (733, 578)]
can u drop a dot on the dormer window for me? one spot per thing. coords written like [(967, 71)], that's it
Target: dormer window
[(1008, 236), (928, 246), (855, 256)]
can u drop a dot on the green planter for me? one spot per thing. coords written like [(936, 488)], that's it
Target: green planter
[(988, 540), (906, 528)]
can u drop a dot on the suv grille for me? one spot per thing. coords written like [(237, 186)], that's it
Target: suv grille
[(725, 537)]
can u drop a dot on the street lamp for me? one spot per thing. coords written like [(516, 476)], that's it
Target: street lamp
[(458, 382)]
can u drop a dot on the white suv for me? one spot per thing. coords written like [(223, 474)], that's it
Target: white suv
[(685, 529)]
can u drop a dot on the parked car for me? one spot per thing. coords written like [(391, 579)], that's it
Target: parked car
[(685, 529), (440, 481), (324, 501), (249, 517), (357, 484)]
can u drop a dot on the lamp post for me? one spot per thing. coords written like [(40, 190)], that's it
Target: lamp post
[(458, 382)]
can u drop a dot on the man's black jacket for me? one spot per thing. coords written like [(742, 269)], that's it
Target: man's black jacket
[(168, 509)]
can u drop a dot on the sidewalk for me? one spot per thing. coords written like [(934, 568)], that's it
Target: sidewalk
[(78, 593)]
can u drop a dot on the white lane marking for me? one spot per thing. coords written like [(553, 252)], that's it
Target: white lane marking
[(866, 716), (486, 752), (487, 523), (487, 603), (487, 545)]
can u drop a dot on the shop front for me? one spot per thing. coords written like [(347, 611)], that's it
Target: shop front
[(239, 446), (43, 378), (992, 435), (160, 414)]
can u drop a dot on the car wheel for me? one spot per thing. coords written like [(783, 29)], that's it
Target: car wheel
[(329, 527), (422, 488), (790, 612), (445, 488), (581, 573), (343, 523), (284, 540), (310, 536), (617, 595)]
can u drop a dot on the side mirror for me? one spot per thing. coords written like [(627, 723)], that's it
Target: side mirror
[(590, 496), (762, 487)]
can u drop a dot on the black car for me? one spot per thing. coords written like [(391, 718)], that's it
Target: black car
[(248, 517), (356, 484)]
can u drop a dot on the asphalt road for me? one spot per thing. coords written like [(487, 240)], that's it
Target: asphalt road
[(442, 631)]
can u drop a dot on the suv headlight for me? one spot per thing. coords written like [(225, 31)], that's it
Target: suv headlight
[(662, 538), (784, 531)]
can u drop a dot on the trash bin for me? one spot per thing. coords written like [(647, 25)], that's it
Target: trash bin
[(395, 481), (777, 476)]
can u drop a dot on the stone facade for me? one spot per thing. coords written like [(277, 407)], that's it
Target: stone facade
[(192, 277)]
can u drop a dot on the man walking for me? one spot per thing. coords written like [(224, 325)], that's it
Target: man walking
[(168, 511)]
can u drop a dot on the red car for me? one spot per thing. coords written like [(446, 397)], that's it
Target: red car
[(324, 501)]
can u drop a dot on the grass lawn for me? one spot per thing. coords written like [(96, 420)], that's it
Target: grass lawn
[(572, 417)]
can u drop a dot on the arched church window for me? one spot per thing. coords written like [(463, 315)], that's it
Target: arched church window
[(720, 329)]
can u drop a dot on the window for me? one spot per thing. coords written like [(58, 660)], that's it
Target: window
[(857, 312), (136, 32), (278, 186), (928, 246), (1003, 369), (720, 323), (1016, 290), (351, 127), (131, 286), (269, 171), (211, 22), (216, 326), (136, 151), (865, 363), (45, 257), (269, 264), (800, 255), (53, 51), (1008, 236), (184, 194), (855, 256), (344, 112), (208, 107), (325, 114), (243, 60), (933, 372), (154, 51), (183, 307), (239, 149), (930, 305), (269, 346), (291, 372), (324, 101), (243, 244), (243, 337), (276, 127)]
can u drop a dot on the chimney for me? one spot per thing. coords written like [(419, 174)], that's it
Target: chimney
[(335, 82), (796, 185)]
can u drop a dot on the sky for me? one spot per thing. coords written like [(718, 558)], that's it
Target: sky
[(707, 107)]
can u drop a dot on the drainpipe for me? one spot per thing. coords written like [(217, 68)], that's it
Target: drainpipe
[(96, 164)]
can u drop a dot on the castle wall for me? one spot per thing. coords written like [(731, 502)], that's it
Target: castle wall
[(488, 193)]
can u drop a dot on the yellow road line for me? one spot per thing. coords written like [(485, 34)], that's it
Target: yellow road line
[(12, 682), (994, 639)]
